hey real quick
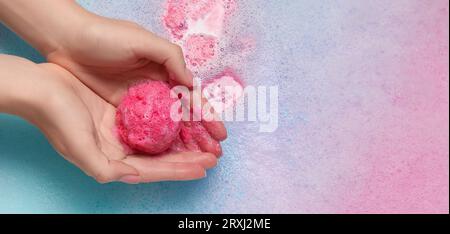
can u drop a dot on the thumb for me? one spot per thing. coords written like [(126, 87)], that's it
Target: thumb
[(96, 164), (114, 170)]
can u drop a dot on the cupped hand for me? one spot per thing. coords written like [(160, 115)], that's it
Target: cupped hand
[(109, 55), (80, 124)]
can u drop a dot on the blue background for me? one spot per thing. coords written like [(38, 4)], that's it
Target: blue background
[(363, 118)]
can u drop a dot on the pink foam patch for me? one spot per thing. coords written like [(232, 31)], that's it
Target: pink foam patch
[(200, 49), (182, 16), (175, 18), (198, 8)]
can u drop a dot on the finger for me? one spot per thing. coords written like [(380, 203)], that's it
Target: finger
[(215, 127), (153, 170), (209, 117), (104, 170), (167, 54), (150, 70), (202, 138), (89, 158), (206, 160)]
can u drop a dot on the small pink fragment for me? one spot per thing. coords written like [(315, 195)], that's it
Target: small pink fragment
[(187, 137), (223, 91), (178, 144)]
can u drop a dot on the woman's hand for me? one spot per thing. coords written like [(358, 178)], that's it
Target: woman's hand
[(113, 54), (79, 124), (106, 55)]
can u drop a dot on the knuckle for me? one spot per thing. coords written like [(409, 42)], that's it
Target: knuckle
[(177, 50)]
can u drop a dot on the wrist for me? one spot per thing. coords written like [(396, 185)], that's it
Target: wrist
[(19, 86), (66, 34), (48, 25)]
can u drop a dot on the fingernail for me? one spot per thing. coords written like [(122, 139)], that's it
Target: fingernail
[(130, 179)]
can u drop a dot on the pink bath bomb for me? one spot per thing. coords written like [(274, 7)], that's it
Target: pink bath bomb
[(143, 118)]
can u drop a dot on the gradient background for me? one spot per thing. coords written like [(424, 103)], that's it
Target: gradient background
[(364, 118)]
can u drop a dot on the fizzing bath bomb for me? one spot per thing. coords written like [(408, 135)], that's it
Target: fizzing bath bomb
[(143, 118)]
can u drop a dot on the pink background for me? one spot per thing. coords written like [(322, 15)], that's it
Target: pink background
[(364, 118)]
